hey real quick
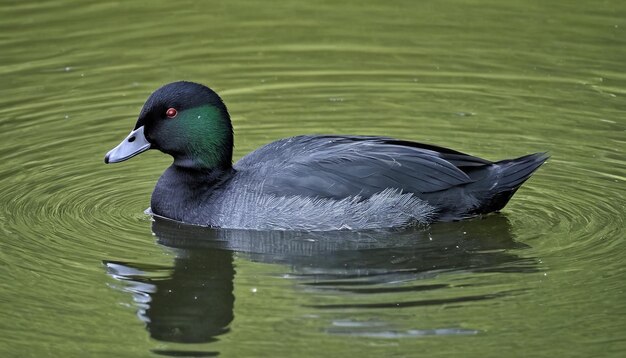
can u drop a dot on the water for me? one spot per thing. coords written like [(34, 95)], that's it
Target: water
[(85, 273)]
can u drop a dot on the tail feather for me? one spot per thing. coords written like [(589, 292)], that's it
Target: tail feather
[(508, 176), (514, 172)]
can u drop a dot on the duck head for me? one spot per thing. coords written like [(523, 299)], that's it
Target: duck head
[(186, 120)]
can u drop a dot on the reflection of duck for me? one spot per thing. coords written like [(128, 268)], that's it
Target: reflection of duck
[(194, 301), (191, 303), (476, 244)]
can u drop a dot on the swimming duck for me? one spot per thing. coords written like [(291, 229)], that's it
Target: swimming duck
[(308, 182)]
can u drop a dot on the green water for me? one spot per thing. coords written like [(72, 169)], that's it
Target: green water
[(82, 274)]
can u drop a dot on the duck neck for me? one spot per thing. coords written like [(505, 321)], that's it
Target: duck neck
[(204, 166), (180, 188), (198, 178)]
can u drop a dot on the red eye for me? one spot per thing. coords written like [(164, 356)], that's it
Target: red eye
[(171, 113)]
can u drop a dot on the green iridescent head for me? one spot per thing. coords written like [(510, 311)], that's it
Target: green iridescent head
[(186, 120)]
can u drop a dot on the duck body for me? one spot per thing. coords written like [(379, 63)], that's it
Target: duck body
[(313, 182), (331, 182)]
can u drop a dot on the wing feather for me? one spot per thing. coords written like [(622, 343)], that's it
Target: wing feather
[(342, 166)]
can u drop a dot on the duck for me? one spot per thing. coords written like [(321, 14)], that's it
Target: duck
[(307, 182)]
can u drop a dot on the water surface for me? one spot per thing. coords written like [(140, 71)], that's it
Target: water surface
[(84, 272)]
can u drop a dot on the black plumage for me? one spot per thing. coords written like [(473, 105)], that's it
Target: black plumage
[(330, 166)]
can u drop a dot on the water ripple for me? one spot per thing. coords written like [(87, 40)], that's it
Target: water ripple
[(71, 91)]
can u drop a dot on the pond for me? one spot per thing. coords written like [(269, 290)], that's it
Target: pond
[(85, 272)]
